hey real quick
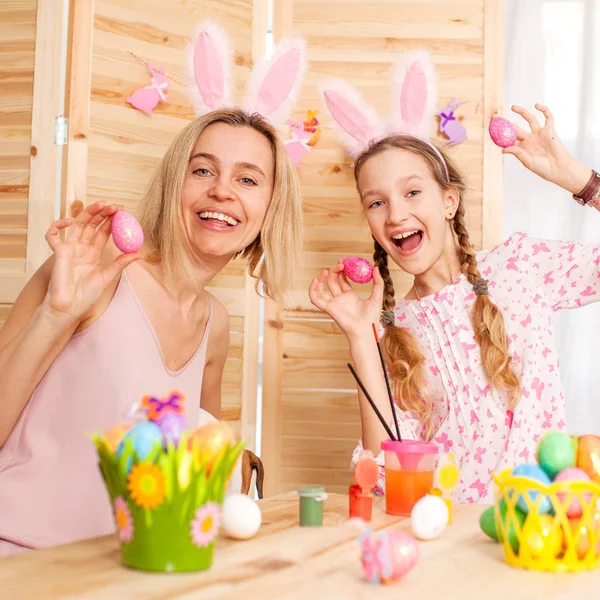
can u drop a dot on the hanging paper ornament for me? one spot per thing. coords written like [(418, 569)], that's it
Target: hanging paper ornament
[(297, 146), (312, 126), (449, 124), (305, 134), (146, 99)]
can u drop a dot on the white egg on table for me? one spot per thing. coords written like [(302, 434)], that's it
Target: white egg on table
[(429, 517), (240, 516)]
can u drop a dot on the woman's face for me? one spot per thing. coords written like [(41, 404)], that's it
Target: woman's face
[(227, 189)]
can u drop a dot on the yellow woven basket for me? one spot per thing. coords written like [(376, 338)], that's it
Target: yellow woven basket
[(552, 541)]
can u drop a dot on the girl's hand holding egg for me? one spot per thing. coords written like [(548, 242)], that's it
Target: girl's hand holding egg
[(332, 293), (358, 269)]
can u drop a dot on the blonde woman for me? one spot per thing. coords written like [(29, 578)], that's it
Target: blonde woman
[(94, 330)]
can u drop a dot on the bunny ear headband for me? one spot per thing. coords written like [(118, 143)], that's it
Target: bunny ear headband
[(273, 84), (414, 97)]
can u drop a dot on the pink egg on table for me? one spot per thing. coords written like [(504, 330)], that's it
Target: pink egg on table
[(572, 474), (387, 556), (404, 553), (127, 232), (502, 132), (358, 269)]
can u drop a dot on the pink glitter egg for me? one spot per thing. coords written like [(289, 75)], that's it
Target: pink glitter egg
[(127, 232), (358, 269), (502, 132)]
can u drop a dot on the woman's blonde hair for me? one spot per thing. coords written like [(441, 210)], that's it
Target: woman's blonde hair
[(400, 347), (280, 236)]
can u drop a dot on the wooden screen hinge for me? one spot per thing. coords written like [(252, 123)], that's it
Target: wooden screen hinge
[(61, 128)]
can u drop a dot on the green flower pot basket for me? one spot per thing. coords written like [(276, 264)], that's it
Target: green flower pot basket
[(167, 506)]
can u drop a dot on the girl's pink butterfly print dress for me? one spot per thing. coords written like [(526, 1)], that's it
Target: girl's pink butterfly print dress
[(529, 280)]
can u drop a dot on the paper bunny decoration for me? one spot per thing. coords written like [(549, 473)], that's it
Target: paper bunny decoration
[(297, 146), (449, 124), (414, 97), (146, 98), (273, 84), (305, 135)]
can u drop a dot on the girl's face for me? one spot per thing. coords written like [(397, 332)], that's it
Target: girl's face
[(407, 211), (227, 190)]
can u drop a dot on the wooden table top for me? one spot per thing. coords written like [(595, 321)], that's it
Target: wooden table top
[(286, 561)]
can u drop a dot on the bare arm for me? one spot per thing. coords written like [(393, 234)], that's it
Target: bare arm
[(218, 348), (355, 318), (30, 340), (52, 305)]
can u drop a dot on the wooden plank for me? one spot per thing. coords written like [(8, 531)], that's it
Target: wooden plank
[(315, 475), (322, 429), (17, 60), (272, 373), (44, 152), (328, 407), (493, 182), (79, 76), (250, 365)]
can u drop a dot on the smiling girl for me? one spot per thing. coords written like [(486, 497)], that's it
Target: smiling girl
[(470, 348)]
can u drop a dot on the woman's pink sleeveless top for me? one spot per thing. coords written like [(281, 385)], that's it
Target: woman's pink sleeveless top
[(51, 491)]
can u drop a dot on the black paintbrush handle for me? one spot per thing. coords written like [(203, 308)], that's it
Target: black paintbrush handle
[(364, 391), (387, 383)]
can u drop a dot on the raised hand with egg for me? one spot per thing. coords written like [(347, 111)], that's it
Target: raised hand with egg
[(79, 277), (540, 150), (332, 293)]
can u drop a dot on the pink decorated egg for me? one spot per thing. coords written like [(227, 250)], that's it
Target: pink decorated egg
[(387, 556), (127, 232), (502, 132), (572, 474), (358, 269), (404, 553)]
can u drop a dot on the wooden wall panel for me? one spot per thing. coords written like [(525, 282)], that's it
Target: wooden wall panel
[(31, 36), (17, 56), (124, 146), (310, 415)]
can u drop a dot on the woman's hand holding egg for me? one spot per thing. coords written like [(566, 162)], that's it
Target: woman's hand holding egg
[(78, 279)]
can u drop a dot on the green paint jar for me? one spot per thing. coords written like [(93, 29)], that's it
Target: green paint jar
[(311, 506)]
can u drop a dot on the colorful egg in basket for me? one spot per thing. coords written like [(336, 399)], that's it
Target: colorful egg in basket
[(565, 538), (166, 494)]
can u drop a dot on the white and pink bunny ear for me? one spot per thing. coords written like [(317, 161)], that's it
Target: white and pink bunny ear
[(357, 123), (273, 85), (414, 95), (209, 62)]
